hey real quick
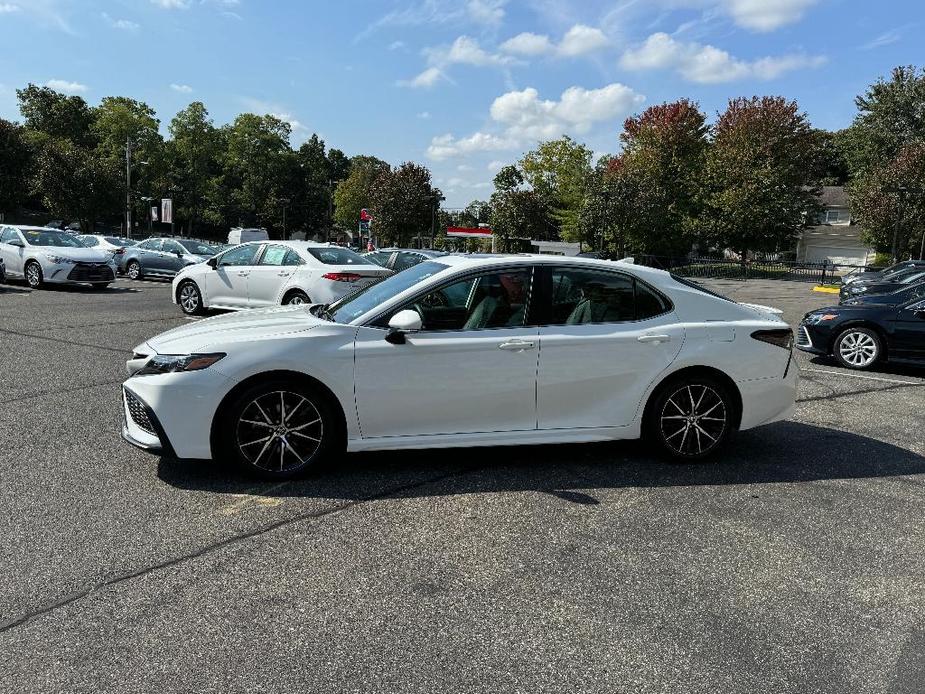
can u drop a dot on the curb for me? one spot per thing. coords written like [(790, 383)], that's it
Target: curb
[(827, 290)]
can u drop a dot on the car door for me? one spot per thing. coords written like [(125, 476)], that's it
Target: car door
[(605, 336), (226, 284), (909, 331), (148, 254), (471, 368), (12, 254), (274, 268), (171, 257)]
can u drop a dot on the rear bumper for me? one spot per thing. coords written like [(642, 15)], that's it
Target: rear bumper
[(766, 400)]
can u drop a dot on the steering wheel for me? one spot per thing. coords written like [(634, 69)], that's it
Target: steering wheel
[(436, 300)]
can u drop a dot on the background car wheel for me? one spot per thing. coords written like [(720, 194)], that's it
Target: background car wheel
[(33, 273), (133, 270), (100, 285), (691, 418), (296, 298), (190, 298), (279, 430), (857, 348)]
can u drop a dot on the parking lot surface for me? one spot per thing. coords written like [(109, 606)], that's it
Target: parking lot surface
[(794, 564)]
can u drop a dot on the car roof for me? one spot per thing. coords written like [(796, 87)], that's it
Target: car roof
[(490, 260), (29, 227)]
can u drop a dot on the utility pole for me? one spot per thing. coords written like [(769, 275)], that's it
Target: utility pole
[(128, 187)]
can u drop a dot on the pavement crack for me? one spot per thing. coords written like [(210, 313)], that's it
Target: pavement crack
[(221, 544), (65, 342), (61, 391)]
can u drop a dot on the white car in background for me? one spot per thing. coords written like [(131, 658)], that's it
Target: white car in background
[(114, 245), (273, 273), (41, 255), (465, 351)]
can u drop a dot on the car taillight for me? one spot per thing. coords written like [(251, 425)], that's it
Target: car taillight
[(782, 337), (342, 276), (118, 251)]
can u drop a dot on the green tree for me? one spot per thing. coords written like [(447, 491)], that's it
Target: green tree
[(315, 199), (758, 187), (354, 193), (195, 163), (518, 214), (53, 114), (403, 202), (14, 165), (508, 178), (559, 173)]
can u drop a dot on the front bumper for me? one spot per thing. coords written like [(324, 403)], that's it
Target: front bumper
[(141, 427), (813, 339), (79, 273)]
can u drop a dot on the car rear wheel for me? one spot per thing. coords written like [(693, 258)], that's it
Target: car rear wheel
[(190, 298), (133, 270), (279, 430), (691, 418), (33, 273), (296, 298), (857, 348)]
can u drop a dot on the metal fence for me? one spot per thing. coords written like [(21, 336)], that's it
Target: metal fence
[(765, 269)]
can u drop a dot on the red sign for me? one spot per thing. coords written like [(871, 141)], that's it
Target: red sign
[(469, 232), (365, 216)]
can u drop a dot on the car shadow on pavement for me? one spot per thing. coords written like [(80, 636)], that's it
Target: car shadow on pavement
[(785, 452), (883, 369), (69, 289)]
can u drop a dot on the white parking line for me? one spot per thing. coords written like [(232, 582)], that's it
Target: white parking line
[(865, 378)]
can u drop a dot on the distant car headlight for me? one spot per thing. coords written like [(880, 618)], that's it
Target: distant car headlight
[(816, 318), (857, 290), (59, 260), (172, 363)]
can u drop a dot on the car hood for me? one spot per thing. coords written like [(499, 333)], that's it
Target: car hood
[(86, 255), (232, 327)]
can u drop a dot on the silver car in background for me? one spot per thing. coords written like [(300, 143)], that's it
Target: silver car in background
[(163, 257), (40, 255)]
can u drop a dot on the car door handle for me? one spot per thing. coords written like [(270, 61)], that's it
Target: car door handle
[(654, 338), (243, 274), (516, 345), (283, 274)]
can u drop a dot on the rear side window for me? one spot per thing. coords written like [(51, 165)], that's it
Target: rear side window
[(89, 241), (292, 258), (379, 258), (150, 244), (406, 260), (585, 296), (337, 256), (274, 255)]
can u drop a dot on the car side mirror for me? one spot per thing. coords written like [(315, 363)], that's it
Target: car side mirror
[(179, 254), (212, 263), (401, 324)]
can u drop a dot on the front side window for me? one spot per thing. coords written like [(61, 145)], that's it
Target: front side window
[(242, 255), (585, 296), (493, 300), (150, 245)]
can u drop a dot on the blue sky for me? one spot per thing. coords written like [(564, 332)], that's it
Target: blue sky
[(459, 85)]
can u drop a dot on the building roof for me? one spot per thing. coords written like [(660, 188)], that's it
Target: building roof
[(834, 196)]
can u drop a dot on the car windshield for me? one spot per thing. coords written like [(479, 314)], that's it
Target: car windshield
[(897, 269), (56, 239), (912, 277), (198, 248), (355, 305), (337, 256)]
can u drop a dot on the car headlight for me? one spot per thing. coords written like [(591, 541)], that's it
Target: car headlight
[(173, 363), (856, 290), (59, 260), (816, 318)]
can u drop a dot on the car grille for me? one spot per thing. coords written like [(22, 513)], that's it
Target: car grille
[(803, 337), (138, 412), (91, 272)]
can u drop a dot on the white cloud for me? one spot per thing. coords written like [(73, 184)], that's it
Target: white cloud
[(527, 116), (496, 165), (707, 64), (395, 45), (122, 24), (66, 87), (579, 40), (424, 115), (490, 12), (171, 4), (528, 44), (446, 146), (884, 39), (182, 88), (8, 8), (426, 79), (766, 15), (464, 51)]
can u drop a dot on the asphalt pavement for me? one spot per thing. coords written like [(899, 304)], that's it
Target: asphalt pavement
[(795, 564)]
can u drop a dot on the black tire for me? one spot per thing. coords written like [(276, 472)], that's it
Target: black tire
[(691, 418), (296, 297), (857, 348), (33, 273), (99, 286), (133, 270), (254, 434), (189, 298)]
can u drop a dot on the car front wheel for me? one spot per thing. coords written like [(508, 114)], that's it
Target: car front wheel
[(133, 270), (190, 298), (296, 298), (34, 274), (857, 348), (691, 418), (279, 430)]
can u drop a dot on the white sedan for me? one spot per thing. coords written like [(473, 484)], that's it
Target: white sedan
[(273, 273), (465, 352), (40, 255)]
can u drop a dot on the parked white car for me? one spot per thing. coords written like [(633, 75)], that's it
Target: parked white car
[(465, 351), (272, 273), (114, 245), (41, 255), (241, 235)]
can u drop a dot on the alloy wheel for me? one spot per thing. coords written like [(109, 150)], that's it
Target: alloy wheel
[(189, 298), (858, 349), (693, 420), (33, 275), (279, 431), (297, 300), (134, 270)]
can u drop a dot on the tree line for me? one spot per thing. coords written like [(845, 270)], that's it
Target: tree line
[(747, 182)]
